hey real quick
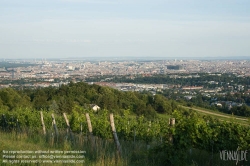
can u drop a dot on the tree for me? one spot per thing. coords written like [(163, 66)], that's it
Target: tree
[(161, 105)]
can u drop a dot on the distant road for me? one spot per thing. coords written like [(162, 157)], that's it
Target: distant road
[(213, 113)]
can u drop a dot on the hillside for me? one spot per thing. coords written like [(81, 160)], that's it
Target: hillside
[(64, 98)]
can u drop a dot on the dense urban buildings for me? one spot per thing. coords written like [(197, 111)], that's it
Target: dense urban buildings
[(51, 70), (44, 73)]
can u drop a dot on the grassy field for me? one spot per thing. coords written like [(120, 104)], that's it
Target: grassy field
[(220, 115)]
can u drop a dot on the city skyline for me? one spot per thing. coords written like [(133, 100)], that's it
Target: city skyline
[(84, 28)]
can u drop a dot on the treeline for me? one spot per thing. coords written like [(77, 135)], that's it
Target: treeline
[(15, 65), (64, 98)]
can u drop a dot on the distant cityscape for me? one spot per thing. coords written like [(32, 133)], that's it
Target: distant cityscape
[(44, 73)]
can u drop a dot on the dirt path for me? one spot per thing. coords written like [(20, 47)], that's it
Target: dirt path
[(213, 113)]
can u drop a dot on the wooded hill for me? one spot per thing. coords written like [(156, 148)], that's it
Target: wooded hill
[(64, 98)]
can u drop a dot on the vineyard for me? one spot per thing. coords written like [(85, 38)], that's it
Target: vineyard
[(142, 141)]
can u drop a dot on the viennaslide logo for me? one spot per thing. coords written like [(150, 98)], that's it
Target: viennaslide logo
[(238, 155)]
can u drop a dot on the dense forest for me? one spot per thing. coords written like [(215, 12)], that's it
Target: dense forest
[(64, 98)]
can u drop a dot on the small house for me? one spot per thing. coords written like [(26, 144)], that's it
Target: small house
[(94, 107)]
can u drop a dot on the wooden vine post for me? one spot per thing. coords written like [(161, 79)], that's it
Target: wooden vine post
[(112, 123), (90, 129), (68, 126), (17, 127), (172, 123), (67, 121), (89, 124), (54, 125), (44, 129)]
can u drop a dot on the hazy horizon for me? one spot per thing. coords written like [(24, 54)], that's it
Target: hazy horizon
[(120, 29), (128, 58)]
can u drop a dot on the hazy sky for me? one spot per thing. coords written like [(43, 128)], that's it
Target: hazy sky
[(120, 28)]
